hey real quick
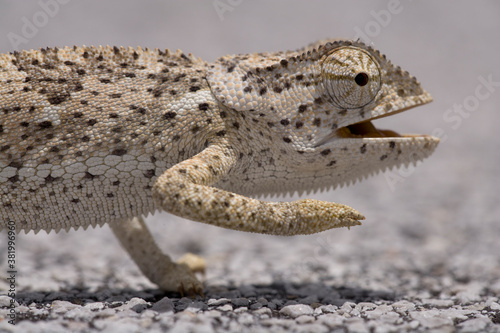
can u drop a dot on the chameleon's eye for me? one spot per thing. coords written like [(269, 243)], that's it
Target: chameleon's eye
[(351, 77)]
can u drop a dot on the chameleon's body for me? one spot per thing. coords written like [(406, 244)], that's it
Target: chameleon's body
[(95, 135)]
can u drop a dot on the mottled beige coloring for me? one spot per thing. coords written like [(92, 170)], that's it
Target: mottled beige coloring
[(94, 135)]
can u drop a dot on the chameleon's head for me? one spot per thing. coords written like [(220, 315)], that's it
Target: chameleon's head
[(319, 103)]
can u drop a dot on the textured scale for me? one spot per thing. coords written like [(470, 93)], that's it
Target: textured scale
[(93, 135)]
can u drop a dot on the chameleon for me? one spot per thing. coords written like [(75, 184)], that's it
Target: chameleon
[(94, 135)]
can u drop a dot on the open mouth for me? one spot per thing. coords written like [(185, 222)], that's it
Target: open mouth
[(364, 129)]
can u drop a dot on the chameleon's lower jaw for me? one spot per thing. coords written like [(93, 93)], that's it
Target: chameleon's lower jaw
[(364, 130)]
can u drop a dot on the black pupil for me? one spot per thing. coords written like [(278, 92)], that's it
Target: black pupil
[(361, 79)]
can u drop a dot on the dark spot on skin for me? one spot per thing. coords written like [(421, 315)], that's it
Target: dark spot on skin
[(317, 122), (299, 124), (81, 72), (95, 93), (84, 102), (75, 200), (342, 112), (110, 195), (195, 128), (363, 148), (334, 126), (115, 95), (247, 89), (325, 152), (141, 111), (194, 88), (285, 122), (332, 163), (287, 140), (299, 77), (54, 149), (277, 90), (236, 125), (169, 115), (78, 114), (58, 99), (203, 106), (270, 124), (318, 100), (262, 91), (45, 124), (302, 108), (183, 171), (221, 133), (175, 137), (284, 62), (230, 68), (223, 114), (149, 173), (91, 122), (392, 144), (130, 75), (383, 157), (24, 124), (157, 92), (119, 152), (105, 80)]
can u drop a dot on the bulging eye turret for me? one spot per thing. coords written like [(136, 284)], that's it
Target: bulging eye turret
[(351, 77)]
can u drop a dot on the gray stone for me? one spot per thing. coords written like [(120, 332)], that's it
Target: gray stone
[(79, 313), (256, 305), (225, 308), (5, 301), (403, 307), (240, 302), (430, 318), (304, 319), (474, 325), (297, 310), (163, 305), (246, 319), (331, 320), (438, 303), (59, 307), (220, 301), (356, 325), (309, 300)]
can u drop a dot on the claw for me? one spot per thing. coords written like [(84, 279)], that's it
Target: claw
[(191, 291)]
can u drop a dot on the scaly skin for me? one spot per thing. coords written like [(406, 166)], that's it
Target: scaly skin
[(93, 135)]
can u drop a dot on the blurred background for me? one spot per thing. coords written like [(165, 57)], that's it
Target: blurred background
[(442, 215)]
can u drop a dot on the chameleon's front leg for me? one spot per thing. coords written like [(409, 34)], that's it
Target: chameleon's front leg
[(185, 190), (135, 237)]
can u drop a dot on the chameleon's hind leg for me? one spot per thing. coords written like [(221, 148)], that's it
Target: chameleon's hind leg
[(135, 237)]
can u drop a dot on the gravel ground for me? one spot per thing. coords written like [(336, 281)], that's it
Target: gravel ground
[(426, 259)]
